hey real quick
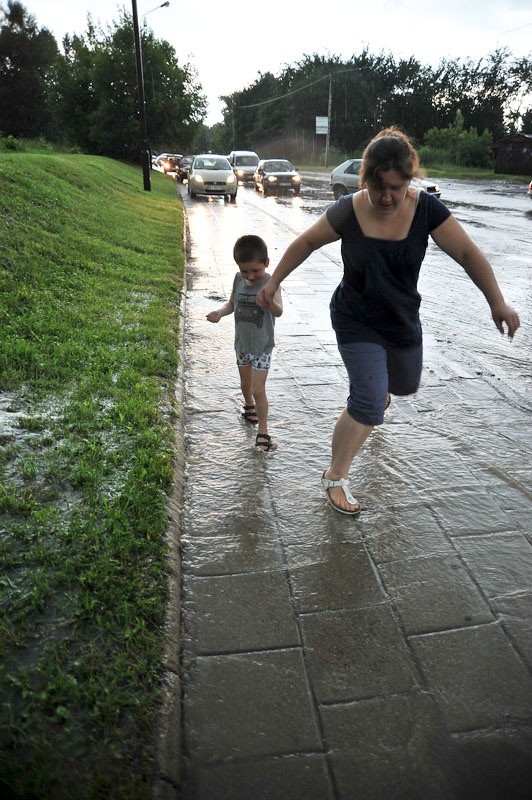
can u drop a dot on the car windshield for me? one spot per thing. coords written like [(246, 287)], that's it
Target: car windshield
[(354, 168), (278, 166), (246, 161), (212, 163)]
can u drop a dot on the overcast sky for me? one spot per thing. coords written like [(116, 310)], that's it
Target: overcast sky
[(231, 43)]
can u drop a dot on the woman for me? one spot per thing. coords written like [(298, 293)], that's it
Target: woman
[(384, 230)]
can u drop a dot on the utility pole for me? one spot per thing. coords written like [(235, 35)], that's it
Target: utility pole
[(142, 102), (328, 137)]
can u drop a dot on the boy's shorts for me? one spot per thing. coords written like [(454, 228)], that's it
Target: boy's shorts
[(261, 361)]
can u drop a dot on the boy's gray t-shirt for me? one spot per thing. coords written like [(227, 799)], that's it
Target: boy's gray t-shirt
[(254, 326)]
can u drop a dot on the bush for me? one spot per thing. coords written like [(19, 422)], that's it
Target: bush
[(454, 145), (474, 150), (11, 143)]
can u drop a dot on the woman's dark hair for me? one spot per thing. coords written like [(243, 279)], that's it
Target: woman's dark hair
[(389, 149), (248, 248)]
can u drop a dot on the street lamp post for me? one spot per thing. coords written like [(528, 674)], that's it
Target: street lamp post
[(142, 99)]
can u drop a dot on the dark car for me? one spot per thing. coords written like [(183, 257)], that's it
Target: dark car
[(183, 168), (276, 175)]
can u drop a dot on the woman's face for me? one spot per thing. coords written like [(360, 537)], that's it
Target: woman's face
[(387, 191)]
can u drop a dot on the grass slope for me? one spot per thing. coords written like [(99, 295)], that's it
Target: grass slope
[(91, 270)]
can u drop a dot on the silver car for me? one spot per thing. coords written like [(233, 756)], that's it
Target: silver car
[(212, 175), (345, 179)]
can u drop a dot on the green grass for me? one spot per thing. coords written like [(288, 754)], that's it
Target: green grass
[(91, 270)]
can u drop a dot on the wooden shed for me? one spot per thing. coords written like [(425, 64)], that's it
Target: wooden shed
[(513, 154)]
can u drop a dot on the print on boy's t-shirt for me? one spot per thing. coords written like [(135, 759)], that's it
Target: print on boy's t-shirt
[(248, 311)]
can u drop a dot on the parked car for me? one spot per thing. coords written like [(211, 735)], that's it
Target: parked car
[(276, 175), (529, 192), (170, 162), (183, 168), (212, 175), (345, 179), (244, 163)]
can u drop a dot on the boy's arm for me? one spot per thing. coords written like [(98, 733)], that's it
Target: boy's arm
[(224, 311)]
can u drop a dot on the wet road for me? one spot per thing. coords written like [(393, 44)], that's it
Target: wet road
[(387, 656)]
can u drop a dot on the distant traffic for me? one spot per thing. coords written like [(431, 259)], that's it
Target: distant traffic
[(221, 175)]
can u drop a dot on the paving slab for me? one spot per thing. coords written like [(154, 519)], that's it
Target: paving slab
[(281, 778), (358, 653), (434, 593), (478, 679), (250, 704), (390, 747), (237, 613)]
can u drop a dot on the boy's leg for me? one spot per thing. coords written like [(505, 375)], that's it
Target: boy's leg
[(259, 397), (246, 385)]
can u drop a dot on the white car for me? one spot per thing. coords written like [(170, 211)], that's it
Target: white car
[(244, 163), (212, 175), (345, 179)]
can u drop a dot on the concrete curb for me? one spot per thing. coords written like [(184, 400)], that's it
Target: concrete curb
[(168, 733)]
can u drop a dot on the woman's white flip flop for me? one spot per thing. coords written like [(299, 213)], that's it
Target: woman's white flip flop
[(342, 484)]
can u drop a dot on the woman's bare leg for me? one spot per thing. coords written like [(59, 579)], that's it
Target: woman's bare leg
[(348, 437)]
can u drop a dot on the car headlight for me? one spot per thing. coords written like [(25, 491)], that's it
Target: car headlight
[(231, 179), (197, 178), (240, 173), (272, 179), (296, 179)]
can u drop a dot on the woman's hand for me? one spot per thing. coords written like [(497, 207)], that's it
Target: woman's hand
[(214, 316), (502, 313), (266, 295)]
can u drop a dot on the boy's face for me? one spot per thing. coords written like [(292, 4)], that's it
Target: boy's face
[(253, 271)]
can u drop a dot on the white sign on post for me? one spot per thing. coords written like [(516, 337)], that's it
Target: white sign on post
[(322, 125)]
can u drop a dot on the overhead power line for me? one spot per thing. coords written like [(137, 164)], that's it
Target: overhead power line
[(280, 97), (510, 30)]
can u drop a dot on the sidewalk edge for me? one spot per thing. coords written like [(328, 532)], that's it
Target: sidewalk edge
[(168, 732)]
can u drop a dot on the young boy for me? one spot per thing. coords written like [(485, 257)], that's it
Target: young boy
[(254, 331)]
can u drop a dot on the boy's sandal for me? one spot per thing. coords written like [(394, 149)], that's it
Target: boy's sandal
[(250, 415), (388, 400), (263, 442), (343, 484)]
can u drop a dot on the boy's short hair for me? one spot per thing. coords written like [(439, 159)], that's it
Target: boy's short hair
[(250, 248)]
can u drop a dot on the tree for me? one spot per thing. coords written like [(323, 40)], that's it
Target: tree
[(97, 102), (28, 57)]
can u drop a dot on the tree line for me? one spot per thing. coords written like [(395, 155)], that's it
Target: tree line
[(369, 92), (85, 97)]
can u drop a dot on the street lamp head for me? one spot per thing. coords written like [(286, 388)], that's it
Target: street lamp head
[(162, 5)]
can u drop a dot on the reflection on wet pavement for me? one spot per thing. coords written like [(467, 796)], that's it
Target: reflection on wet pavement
[(388, 656)]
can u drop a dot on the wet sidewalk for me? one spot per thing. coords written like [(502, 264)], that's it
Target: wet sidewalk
[(386, 657)]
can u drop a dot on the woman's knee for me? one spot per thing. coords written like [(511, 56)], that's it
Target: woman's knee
[(367, 406)]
